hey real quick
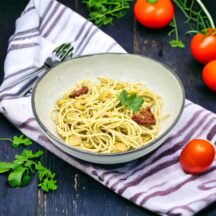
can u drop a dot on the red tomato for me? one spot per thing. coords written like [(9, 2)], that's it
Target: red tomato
[(197, 156), (203, 46), (209, 75), (154, 13)]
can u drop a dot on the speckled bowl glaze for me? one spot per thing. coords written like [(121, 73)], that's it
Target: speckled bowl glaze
[(120, 67)]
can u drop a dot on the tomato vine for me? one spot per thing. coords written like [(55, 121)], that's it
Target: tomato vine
[(197, 17)]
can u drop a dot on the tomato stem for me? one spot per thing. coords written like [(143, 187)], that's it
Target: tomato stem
[(181, 8), (184, 9), (152, 1), (206, 12), (5, 139), (176, 29)]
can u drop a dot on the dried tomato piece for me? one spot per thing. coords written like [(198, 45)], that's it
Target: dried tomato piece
[(145, 117), (81, 91)]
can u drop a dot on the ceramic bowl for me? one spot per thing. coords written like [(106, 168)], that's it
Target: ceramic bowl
[(120, 67)]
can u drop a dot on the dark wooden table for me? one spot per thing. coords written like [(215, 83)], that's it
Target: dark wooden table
[(78, 194)]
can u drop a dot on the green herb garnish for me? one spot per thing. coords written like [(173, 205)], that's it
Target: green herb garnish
[(102, 12), (6, 166), (132, 102), (19, 177), (46, 178), (25, 165), (19, 170), (17, 141)]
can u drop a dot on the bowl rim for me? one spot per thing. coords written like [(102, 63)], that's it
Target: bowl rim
[(117, 153)]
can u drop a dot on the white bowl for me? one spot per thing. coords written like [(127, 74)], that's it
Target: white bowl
[(120, 67)]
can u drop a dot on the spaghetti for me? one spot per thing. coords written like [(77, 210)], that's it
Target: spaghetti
[(91, 117)]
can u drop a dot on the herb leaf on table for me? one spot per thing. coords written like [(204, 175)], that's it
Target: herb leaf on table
[(25, 165), (20, 140), (17, 141), (46, 178), (19, 177), (6, 166)]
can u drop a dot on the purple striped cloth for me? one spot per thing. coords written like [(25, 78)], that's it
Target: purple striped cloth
[(156, 183)]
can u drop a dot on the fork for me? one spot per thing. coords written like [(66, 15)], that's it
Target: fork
[(59, 54)]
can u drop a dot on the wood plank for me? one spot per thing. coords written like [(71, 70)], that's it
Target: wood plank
[(20, 199), (24, 199)]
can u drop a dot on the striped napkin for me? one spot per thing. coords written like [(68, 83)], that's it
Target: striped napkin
[(156, 183)]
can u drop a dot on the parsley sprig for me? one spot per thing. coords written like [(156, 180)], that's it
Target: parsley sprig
[(46, 178), (17, 141), (25, 165), (102, 12), (132, 102)]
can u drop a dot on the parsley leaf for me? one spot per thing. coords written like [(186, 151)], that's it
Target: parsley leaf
[(20, 159), (20, 140), (26, 155), (46, 178), (25, 165), (42, 171), (30, 165), (15, 177), (26, 179), (6, 166), (48, 184), (132, 102), (30, 155), (123, 97)]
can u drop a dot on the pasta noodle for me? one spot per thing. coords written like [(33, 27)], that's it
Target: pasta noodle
[(90, 116)]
